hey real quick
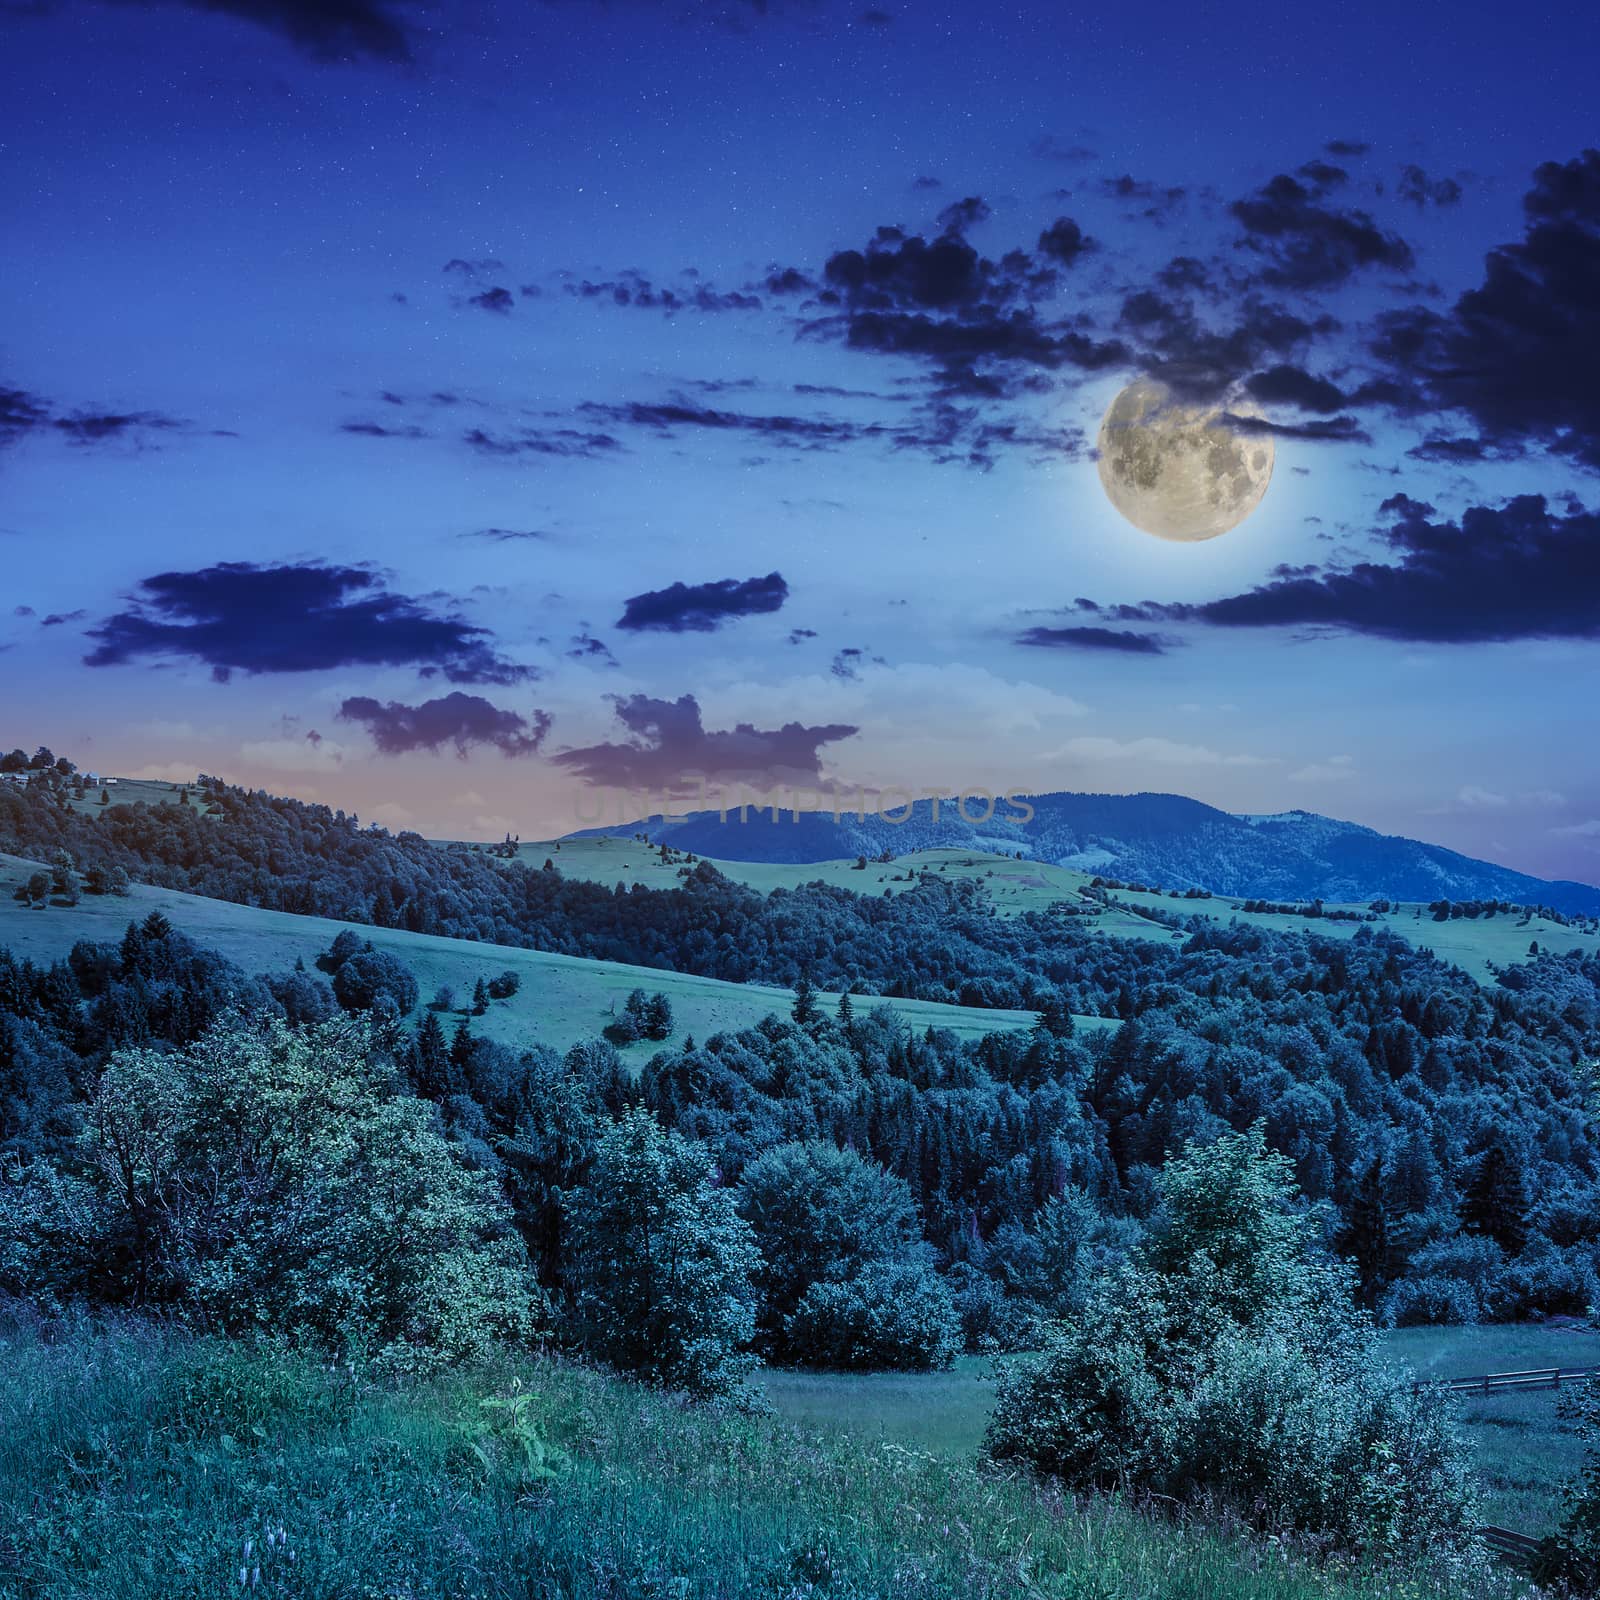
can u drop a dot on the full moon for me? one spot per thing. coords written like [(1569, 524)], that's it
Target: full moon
[(1180, 471)]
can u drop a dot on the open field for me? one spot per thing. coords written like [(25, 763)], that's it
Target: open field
[(134, 792), (1476, 945), (136, 1463), (562, 998), (944, 1413), (1525, 1451)]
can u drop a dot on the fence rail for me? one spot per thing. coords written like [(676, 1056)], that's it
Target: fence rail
[(1499, 1382), (1515, 1548)]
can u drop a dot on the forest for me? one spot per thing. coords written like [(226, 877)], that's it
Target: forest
[(1194, 1222), (1438, 1129)]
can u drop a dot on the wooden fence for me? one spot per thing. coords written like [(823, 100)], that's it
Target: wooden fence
[(1517, 1549), (1501, 1382)]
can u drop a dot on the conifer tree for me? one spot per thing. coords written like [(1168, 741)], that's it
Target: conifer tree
[(805, 1001)]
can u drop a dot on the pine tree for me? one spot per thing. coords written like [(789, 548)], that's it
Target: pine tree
[(1496, 1202), (434, 1073), (1366, 1235), (805, 1001), (480, 998), (847, 1014), (657, 1017), (1054, 1017), (461, 1049)]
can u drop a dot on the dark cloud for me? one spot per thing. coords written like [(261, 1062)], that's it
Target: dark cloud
[(634, 289), (975, 318), (59, 619), (1518, 353), (1346, 149), (1323, 176), (22, 413), (834, 391), (703, 607), (238, 616), (506, 535), (670, 416), (1420, 190), (92, 427), (960, 215), (873, 18), (1305, 244), (938, 427), (382, 430), (457, 719), (465, 268), (905, 272), (1336, 430), (1140, 644), (565, 442), (848, 662), (1452, 451), (960, 435), (585, 647), (789, 280), (1064, 241), (1155, 201), (1202, 361), (498, 299), (1183, 273), (1510, 572), (800, 635), (667, 745), (325, 30), (1294, 386)]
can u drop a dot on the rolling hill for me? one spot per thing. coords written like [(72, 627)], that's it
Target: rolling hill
[(1162, 839), (562, 999), (1478, 945)]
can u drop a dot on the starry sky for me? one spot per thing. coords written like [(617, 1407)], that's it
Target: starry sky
[(452, 412)]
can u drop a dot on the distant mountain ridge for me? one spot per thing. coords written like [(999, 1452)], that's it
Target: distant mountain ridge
[(1163, 839)]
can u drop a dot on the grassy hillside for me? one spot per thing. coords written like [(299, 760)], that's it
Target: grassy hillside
[(139, 1465), (132, 792), (1477, 945), (562, 998), (1525, 1451)]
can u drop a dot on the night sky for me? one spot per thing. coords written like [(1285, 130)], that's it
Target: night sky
[(436, 410)]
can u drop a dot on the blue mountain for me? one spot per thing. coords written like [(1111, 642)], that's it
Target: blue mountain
[(1163, 839)]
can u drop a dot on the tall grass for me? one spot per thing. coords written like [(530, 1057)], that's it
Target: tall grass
[(143, 1465)]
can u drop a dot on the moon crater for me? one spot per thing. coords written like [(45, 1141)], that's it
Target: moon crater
[(1180, 471)]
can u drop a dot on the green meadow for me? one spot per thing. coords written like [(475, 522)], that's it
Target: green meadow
[(1477, 945), (1525, 1451), (137, 1464), (562, 999)]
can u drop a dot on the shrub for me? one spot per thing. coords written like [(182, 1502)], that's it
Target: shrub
[(1570, 1559), (275, 1181), (823, 1217), (366, 977), (886, 1314), (1228, 1361), (643, 1017), (661, 1262), (1430, 1301), (304, 998)]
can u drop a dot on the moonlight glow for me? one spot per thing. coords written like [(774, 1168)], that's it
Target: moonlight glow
[(1179, 471)]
